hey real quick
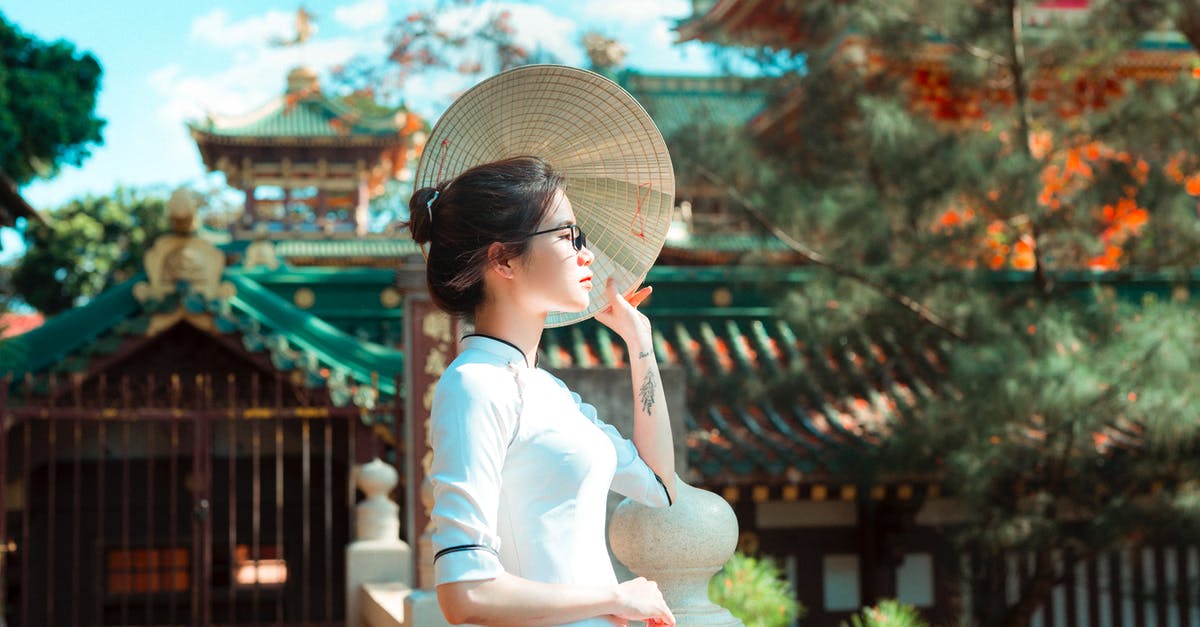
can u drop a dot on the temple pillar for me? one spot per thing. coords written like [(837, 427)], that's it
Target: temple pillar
[(286, 218), (362, 205), (322, 202), (249, 217)]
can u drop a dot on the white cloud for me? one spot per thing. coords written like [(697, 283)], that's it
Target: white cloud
[(218, 29), (536, 27), (253, 78), (363, 14), (635, 11)]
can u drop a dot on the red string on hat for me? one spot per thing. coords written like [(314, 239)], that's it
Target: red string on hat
[(638, 225), (442, 157)]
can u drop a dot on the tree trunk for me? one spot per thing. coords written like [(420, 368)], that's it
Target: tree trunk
[(1189, 22)]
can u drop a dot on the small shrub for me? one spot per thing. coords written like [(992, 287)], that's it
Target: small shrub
[(754, 591), (887, 614)]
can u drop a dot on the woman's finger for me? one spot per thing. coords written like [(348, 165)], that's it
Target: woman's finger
[(637, 297), (634, 298)]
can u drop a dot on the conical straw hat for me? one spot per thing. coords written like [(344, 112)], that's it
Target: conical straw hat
[(619, 175)]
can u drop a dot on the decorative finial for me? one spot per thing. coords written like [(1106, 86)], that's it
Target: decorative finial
[(605, 53), (181, 210)]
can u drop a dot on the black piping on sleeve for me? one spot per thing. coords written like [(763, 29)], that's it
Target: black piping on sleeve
[(665, 491), (468, 547)]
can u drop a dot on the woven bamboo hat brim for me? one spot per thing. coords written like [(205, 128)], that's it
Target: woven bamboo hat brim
[(619, 175)]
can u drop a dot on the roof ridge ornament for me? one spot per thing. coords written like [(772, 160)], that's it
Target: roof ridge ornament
[(181, 264)]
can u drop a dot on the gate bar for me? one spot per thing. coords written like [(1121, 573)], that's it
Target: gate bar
[(231, 436), (102, 512), (173, 521), (255, 500), (51, 494), (328, 533), (76, 503), (77, 515), (279, 540), (156, 566), (306, 507), (126, 493), (5, 384), (27, 481)]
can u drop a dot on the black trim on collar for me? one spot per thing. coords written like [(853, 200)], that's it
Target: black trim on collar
[(503, 341)]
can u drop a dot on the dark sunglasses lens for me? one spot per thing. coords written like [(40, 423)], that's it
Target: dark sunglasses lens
[(580, 240)]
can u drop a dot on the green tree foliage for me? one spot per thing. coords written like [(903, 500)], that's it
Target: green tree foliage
[(89, 245), (995, 206), (47, 105), (754, 591)]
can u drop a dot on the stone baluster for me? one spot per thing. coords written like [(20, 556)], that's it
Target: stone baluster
[(378, 555), (681, 547), (421, 606)]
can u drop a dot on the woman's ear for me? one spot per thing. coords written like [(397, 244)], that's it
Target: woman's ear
[(499, 261)]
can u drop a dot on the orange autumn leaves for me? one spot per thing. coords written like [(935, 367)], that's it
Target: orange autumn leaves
[(1010, 244)]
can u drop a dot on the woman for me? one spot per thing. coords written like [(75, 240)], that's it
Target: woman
[(521, 468)]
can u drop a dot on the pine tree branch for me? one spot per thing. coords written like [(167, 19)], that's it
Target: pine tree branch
[(816, 258), (978, 52)]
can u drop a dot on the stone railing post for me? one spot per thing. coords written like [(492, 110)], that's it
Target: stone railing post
[(681, 547), (421, 607), (377, 555)]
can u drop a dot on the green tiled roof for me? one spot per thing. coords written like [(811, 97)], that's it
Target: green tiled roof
[(59, 336), (311, 116), (728, 243), (309, 333), (265, 320), (397, 247), (765, 404), (346, 297), (675, 101)]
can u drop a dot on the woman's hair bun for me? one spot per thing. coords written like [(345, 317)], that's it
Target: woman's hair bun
[(420, 220)]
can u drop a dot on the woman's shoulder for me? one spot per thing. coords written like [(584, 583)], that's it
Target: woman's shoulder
[(478, 372)]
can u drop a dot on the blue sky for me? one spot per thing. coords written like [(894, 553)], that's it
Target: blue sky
[(168, 62)]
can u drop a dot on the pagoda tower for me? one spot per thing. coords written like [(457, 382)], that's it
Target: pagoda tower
[(308, 162)]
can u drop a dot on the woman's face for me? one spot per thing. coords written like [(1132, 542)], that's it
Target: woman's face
[(553, 275)]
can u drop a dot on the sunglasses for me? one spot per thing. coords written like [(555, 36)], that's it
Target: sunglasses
[(578, 239)]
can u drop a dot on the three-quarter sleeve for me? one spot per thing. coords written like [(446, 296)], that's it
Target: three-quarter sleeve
[(474, 417), (633, 478)]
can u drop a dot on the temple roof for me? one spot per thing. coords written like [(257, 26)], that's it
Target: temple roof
[(766, 405), (681, 248), (307, 115), (264, 321), (675, 101), (347, 251)]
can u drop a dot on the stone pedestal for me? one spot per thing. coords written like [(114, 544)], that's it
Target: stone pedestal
[(377, 555), (680, 547)]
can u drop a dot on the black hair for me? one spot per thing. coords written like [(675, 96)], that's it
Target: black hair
[(461, 218)]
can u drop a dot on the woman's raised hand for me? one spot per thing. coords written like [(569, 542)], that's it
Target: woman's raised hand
[(623, 317), (640, 599)]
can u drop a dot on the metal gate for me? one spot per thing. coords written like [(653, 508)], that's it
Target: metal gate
[(183, 510)]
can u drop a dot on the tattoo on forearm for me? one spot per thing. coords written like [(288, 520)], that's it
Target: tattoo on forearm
[(646, 393), (644, 354)]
